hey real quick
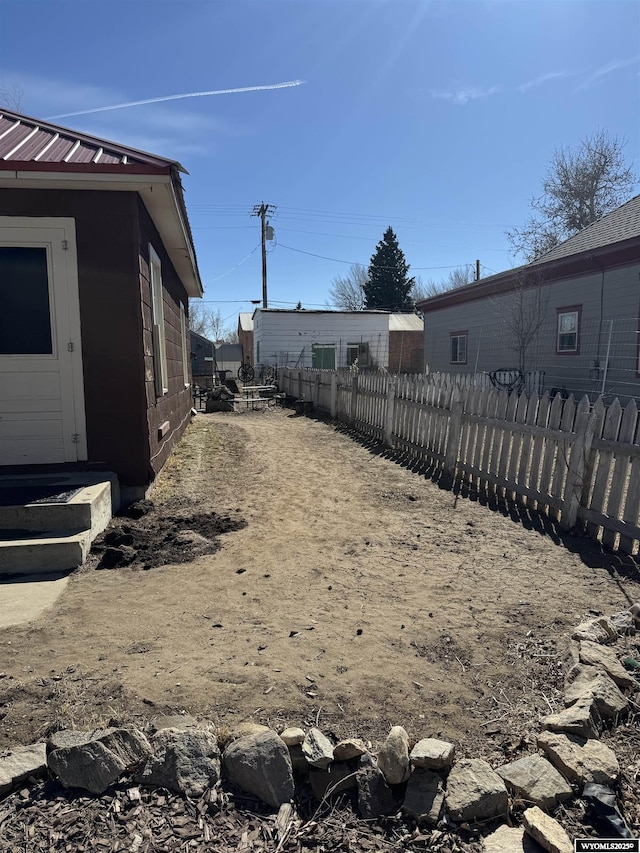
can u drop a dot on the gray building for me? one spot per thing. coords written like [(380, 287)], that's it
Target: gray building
[(572, 315)]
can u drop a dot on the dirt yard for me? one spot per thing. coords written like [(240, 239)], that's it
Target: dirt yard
[(348, 591)]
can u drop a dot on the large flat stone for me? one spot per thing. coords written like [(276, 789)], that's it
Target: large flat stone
[(475, 791), (98, 761), (536, 781), (585, 681), (260, 765), (349, 748), (597, 655), (433, 753), (597, 630), (580, 760), (581, 718), (546, 831), (317, 749), (20, 763), (507, 839), (183, 760)]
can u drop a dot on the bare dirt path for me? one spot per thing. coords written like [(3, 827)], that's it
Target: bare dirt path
[(358, 595)]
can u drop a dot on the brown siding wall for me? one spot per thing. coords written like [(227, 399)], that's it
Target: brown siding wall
[(245, 339), (406, 352), (106, 232), (123, 415), (174, 407)]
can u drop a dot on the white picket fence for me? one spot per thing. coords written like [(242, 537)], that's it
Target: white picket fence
[(577, 462)]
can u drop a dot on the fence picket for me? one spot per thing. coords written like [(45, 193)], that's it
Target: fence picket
[(563, 450), (631, 513), (621, 469), (610, 431), (516, 443), (542, 417), (525, 452), (580, 448)]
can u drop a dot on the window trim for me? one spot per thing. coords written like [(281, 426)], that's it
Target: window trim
[(462, 333), (363, 353), (183, 334), (316, 347), (569, 309), (638, 345), (157, 313)]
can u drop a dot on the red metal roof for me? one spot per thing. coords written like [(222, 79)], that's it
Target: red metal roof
[(33, 143)]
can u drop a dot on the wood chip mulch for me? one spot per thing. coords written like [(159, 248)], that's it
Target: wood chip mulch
[(46, 818)]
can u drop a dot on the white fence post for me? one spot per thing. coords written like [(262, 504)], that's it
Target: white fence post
[(354, 399), (585, 428), (453, 437), (334, 395), (388, 415)]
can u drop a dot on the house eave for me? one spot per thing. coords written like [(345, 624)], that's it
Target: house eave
[(154, 185), (612, 255)]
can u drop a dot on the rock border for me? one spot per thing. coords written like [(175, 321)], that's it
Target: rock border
[(423, 780)]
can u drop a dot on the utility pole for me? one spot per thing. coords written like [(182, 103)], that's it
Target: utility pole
[(478, 270), (263, 210)]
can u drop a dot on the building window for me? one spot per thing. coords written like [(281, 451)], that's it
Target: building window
[(157, 309), (358, 353), (323, 356), (568, 338), (185, 354), (458, 347)]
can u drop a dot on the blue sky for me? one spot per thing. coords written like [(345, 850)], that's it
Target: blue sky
[(437, 118)]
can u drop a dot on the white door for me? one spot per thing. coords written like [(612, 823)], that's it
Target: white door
[(41, 391)]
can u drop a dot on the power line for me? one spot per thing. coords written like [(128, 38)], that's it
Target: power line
[(228, 272), (358, 263)]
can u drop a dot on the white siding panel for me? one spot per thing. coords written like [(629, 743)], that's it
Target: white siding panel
[(287, 337)]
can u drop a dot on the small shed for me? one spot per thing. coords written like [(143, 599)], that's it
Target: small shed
[(245, 336), (406, 343), (229, 358), (203, 360), (97, 265)]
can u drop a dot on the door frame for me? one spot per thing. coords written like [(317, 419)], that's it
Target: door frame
[(63, 265)]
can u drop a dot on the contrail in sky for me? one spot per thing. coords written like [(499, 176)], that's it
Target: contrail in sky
[(286, 85)]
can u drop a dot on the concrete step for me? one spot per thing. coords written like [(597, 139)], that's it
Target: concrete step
[(42, 553), (54, 536)]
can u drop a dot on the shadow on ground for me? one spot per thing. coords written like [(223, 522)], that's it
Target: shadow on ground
[(593, 554)]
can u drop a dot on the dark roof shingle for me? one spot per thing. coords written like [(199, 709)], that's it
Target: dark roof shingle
[(623, 223)]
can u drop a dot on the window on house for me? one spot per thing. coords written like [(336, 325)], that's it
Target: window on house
[(323, 356), (25, 318), (359, 352), (185, 354), (568, 339), (157, 309), (458, 347)]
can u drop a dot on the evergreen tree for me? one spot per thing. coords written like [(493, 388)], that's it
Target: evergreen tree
[(388, 285)]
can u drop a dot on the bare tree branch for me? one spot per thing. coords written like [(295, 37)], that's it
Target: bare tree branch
[(11, 97), (347, 292), (580, 187), (206, 321), (458, 277), (523, 315)]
